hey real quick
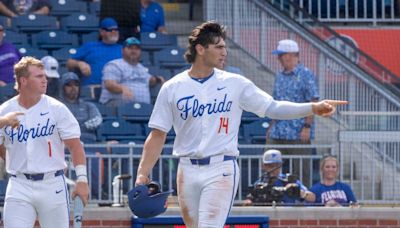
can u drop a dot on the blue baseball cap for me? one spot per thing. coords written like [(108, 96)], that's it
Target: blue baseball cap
[(131, 41), (108, 23), (272, 156)]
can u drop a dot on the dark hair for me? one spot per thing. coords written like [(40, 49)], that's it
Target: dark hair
[(209, 32)]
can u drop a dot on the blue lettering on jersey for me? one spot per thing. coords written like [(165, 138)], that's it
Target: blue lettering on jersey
[(22, 134), (191, 105)]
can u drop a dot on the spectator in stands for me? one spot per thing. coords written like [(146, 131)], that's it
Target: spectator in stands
[(13, 8), (126, 13), (9, 55), (272, 167), (295, 83), (87, 114), (51, 70), (126, 79), (329, 191), (152, 17), (91, 57)]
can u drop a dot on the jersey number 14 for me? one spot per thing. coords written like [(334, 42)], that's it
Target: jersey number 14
[(223, 124)]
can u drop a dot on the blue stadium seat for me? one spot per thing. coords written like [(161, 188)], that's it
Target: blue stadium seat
[(7, 91), (4, 22), (92, 36), (63, 54), (119, 129), (94, 8), (80, 23), (15, 37), (67, 7), (27, 50), (248, 117), (54, 39), (135, 112), (157, 71), (170, 58), (255, 132), (106, 112), (145, 58), (154, 41), (31, 23)]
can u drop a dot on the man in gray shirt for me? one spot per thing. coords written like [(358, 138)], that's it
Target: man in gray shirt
[(126, 80)]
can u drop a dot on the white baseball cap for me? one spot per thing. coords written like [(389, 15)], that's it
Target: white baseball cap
[(286, 46), (50, 67), (272, 156)]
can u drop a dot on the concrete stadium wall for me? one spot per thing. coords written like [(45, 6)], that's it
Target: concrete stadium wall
[(314, 217)]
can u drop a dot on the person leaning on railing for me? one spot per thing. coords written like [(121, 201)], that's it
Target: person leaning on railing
[(329, 191)]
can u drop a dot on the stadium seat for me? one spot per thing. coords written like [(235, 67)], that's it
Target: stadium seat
[(255, 132), (170, 58), (4, 22), (27, 50), (106, 112), (80, 23), (94, 8), (67, 7), (157, 71), (31, 23), (54, 39), (63, 54), (135, 112), (248, 117), (119, 129), (154, 41), (7, 91), (15, 37), (145, 58), (87, 37)]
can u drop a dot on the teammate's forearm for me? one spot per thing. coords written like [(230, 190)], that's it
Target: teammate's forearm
[(151, 152), (282, 110)]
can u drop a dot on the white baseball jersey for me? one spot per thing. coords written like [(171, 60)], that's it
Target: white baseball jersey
[(36, 145), (206, 116)]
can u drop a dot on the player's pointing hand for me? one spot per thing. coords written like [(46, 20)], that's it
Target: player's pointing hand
[(326, 107), (10, 119)]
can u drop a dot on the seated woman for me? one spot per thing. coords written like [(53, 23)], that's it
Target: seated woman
[(331, 192)]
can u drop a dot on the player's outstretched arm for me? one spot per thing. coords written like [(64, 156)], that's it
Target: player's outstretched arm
[(151, 152), (79, 160), (10, 119), (326, 107)]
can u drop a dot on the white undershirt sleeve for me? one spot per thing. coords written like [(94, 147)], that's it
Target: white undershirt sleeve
[(284, 110)]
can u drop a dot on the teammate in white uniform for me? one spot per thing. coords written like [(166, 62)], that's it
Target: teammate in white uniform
[(204, 106), (35, 153)]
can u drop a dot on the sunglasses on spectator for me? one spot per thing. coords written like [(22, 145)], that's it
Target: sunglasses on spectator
[(110, 30)]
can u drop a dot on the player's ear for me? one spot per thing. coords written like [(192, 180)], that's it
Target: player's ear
[(199, 49)]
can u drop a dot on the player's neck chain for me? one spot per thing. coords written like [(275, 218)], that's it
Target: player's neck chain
[(191, 105)]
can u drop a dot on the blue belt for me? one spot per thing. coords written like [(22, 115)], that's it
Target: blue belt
[(40, 176), (206, 161)]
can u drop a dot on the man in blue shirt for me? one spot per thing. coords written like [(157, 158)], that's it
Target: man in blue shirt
[(152, 17), (272, 168), (91, 57), (295, 83)]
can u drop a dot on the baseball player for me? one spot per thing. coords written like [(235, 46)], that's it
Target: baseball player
[(204, 106), (35, 153)]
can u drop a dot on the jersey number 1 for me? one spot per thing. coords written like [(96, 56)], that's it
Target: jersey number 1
[(223, 123)]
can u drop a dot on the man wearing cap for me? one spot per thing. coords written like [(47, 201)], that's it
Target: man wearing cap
[(272, 167), (295, 83), (126, 79), (91, 57), (9, 55), (51, 70), (87, 114)]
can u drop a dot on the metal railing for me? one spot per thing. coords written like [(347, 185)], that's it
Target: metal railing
[(125, 162), (349, 11)]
